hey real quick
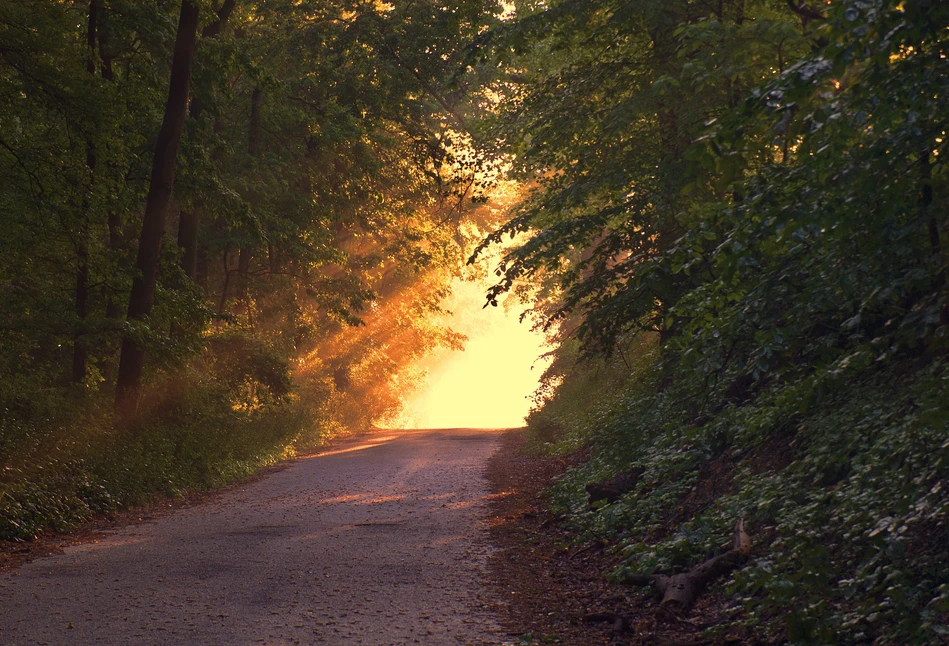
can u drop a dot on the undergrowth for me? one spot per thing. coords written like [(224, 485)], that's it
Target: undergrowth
[(61, 472), (841, 478), (65, 456)]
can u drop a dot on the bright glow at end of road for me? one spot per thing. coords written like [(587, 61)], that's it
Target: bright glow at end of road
[(489, 383)]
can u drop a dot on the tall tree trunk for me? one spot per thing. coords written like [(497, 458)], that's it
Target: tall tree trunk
[(932, 224), (188, 241), (112, 309), (253, 138), (253, 149), (132, 358), (80, 349), (273, 262), (243, 267), (220, 24), (926, 200), (114, 220), (202, 269), (227, 282), (188, 222)]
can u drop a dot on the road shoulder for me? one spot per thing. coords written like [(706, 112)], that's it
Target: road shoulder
[(549, 584)]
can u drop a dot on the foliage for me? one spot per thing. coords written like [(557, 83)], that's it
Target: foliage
[(603, 102), (66, 467), (800, 295), (735, 214), (843, 497), (323, 178)]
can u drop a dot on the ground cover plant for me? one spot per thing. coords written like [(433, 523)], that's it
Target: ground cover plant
[(745, 240), (843, 500)]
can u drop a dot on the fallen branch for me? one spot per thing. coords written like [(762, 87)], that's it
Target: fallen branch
[(585, 548), (612, 488), (679, 591), (599, 617), (621, 623)]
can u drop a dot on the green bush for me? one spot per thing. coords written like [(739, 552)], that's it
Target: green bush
[(839, 476), (194, 437)]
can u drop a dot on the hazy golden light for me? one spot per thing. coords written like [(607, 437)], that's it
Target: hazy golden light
[(488, 384)]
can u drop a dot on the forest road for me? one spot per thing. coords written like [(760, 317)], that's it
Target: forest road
[(380, 540)]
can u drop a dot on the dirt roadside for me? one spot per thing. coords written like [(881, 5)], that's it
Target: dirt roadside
[(543, 589), (549, 584), (556, 591)]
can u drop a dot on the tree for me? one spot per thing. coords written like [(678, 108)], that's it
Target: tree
[(160, 190), (322, 168), (614, 191), (837, 251)]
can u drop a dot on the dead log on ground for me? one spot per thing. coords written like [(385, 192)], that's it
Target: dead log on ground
[(679, 591), (612, 488)]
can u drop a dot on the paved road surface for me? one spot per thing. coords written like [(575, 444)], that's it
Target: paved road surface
[(378, 541)]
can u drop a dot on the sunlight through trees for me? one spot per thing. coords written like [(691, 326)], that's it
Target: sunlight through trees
[(489, 384), (233, 228)]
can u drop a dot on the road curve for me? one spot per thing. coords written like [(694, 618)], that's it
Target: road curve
[(379, 541)]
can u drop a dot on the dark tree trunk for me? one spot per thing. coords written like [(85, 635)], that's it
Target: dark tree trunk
[(107, 72), (112, 309), (92, 35), (114, 221), (227, 283), (253, 149), (243, 280), (188, 222), (273, 261), (188, 241), (202, 269), (219, 25), (132, 358), (80, 349), (253, 140), (926, 200), (243, 267)]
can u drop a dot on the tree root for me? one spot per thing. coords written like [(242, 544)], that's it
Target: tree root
[(679, 591), (611, 489)]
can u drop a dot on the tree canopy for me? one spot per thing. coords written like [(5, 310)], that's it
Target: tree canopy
[(738, 219), (244, 214), (231, 222)]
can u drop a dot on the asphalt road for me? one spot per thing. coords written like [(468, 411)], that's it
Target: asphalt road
[(379, 541)]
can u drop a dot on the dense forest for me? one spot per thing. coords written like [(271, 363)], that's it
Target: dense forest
[(740, 227), (228, 230), (230, 226)]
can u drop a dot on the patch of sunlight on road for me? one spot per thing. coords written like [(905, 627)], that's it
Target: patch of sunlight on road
[(489, 383), (369, 444)]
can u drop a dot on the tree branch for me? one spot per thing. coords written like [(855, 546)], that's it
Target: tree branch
[(220, 24), (805, 11)]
